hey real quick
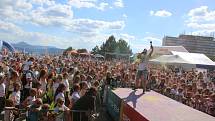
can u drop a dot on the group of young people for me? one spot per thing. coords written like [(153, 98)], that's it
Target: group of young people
[(51, 87)]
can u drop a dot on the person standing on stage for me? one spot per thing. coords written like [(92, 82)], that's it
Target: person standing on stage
[(142, 71)]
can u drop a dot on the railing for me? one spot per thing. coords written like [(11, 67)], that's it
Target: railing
[(50, 115)]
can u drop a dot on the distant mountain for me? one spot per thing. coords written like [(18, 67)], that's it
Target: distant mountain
[(36, 49)]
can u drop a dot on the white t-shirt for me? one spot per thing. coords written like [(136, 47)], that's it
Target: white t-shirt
[(26, 65), (66, 83), (75, 96), (70, 79), (55, 86), (43, 84), (62, 108), (60, 95), (15, 96), (2, 90), (60, 116), (144, 63)]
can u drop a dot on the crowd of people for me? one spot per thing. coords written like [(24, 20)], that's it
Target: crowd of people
[(62, 84), (43, 83), (195, 89)]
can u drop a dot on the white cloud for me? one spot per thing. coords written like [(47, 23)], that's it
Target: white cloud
[(127, 37), (82, 4), (59, 11), (153, 39), (57, 15), (125, 16), (43, 2), (7, 27), (8, 13), (201, 20), (119, 3), (14, 10), (102, 6), (88, 4), (90, 27), (201, 14), (209, 27), (13, 33), (48, 13), (161, 13), (144, 42), (16, 4)]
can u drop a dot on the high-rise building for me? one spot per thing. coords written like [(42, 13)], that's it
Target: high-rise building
[(194, 44)]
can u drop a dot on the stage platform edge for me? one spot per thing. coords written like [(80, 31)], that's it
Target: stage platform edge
[(153, 106)]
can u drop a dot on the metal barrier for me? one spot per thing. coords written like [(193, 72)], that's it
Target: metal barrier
[(113, 105), (71, 115)]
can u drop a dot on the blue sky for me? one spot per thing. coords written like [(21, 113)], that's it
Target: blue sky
[(86, 23)]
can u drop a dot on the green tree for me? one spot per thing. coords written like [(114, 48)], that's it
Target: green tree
[(95, 50), (112, 48), (123, 47), (109, 47)]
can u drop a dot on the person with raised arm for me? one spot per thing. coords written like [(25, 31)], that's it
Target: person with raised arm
[(142, 70)]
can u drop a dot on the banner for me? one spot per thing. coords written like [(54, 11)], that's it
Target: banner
[(113, 105)]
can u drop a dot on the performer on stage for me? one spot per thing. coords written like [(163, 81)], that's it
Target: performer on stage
[(142, 71)]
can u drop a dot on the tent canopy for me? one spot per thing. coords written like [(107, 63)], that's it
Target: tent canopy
[(194, 58), (170, 59), (185, 59), (166, 50)]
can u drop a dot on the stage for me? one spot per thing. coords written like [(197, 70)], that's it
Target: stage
[(153, 106)]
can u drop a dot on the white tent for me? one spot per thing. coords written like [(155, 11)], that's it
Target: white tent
[(194, 58), (185, 60), (173, 60), (166, 50)]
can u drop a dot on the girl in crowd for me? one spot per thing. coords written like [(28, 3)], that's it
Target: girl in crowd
[(75, 95), (61, 110), (60, 92), (57, 82), (40, 92), (43, 80), (12, 80), (83, 88), (30, 99), (16, 95)]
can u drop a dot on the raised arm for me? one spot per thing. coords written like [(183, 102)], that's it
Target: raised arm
[(152, 49)]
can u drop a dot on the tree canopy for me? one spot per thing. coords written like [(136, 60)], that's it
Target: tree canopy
[(113, 49)]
